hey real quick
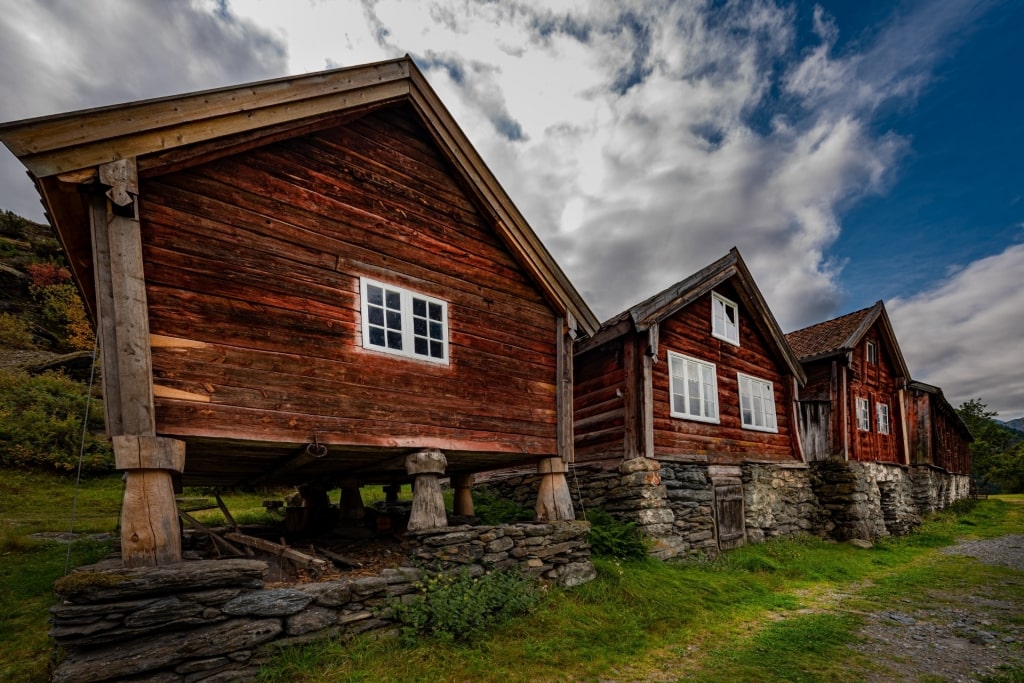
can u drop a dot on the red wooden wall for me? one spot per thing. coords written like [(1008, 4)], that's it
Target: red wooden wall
[(259, 256)]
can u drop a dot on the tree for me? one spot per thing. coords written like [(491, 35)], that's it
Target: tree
[(997, 454)]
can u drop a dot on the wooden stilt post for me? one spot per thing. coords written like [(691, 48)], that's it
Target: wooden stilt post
[(391, 494), (463, 502), (150, 534), (554, 501), (351, 501), (427, 502)]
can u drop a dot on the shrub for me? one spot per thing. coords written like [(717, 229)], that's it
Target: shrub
[(459, 608), (492, 509), (61, 310), (41, 423), (611, 537), (13, 225), (14, 332)]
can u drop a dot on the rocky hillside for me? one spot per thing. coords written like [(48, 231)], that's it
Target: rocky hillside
[(42, 320)]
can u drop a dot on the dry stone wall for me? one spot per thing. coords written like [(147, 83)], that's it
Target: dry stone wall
[(779, 500), (211, 620)]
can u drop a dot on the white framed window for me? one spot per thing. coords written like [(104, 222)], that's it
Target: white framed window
[(725, 319), (693, 388), (872, 352), (882, 413), (863, 415), (404, 323), (757, 404)]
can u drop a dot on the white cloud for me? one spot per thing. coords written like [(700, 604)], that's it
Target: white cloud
[(966, 334), (641, 138)]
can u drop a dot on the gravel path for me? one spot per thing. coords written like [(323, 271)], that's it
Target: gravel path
[(962, 636)]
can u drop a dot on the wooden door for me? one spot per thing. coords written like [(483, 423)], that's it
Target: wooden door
[(729, 516)]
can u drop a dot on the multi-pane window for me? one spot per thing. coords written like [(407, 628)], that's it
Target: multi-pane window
[(401, 322), (725, 319), (693, 388), (872, 351), (757, 404), (863, 415), (882, 411)]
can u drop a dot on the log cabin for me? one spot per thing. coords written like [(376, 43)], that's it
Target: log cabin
[(938, 436), (700, 379), (853, 405), (312, 278)]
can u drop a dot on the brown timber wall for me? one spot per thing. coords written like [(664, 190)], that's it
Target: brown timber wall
[(258, 256), (689, 332), (877, 383), (598, 402)]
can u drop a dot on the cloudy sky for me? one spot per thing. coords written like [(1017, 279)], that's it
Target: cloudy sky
[(853, 151)]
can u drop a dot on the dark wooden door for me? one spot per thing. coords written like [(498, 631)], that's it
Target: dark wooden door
[(729, 516)]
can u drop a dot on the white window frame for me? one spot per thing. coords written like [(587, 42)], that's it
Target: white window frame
[(757, 393), (406, 322), (702, 369), (721, 328), (872, 352), (863, 415), (882, 417)]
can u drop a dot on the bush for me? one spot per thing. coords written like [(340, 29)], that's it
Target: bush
[(492, 509), (41, 423), (14, 332), (61, 309), (610, 537), (459, 608)]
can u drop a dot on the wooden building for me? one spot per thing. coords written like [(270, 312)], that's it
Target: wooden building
[(852, 407), (313, 277), (700, 379), (938, 437), (700, 372)]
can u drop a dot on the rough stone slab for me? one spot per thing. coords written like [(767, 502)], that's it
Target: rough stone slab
[(278, 602), (329, 593), (162, 611), (121, 583), (450, 538), (370, 585), (639, 465), (84, 613), (194, 665), (148, 654), (309, 620)]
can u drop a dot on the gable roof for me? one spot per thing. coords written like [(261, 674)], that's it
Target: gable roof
[(666, 303), (841, 335), (64, 151)]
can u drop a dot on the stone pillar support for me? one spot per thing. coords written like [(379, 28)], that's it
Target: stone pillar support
[(463, 503), (150, 462), (554, 503), (391, 494), (350, 504), (427, 502)]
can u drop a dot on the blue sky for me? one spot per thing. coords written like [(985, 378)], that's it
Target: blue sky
[(853, 151)]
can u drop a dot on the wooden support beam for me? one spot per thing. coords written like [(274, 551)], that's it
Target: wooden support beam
[(462, 503), (554, 502), (563, 397), (305, 561), (214, 536), (427, 501)]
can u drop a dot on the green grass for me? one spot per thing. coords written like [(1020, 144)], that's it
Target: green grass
[(766, 612), (786, 610)]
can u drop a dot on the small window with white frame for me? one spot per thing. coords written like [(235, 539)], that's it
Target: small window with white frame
[(872, 352), (403, 323), (863, 415), (693, 388), (725, 319), (757, 404), (882, 413)]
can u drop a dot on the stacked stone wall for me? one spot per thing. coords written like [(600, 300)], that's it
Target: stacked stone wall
[(212, 620), (866, 500), (779, 500), (935, 489)]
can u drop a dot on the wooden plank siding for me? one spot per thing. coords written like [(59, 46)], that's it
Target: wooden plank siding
[(254, 260), (688, 332), (876, 382), (598, 402)]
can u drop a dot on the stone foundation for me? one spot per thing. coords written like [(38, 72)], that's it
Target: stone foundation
[(866, 500), (212, 620), (673, 503)]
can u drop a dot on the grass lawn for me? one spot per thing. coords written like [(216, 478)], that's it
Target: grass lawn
[(782, 611)]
